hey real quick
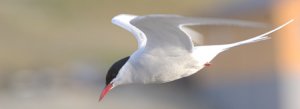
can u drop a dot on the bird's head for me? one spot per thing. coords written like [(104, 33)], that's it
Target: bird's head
[(112, 75)]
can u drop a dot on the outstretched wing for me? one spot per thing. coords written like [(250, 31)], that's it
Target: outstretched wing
[(164, 32)]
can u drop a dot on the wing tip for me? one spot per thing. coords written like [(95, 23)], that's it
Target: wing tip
[(124, 18)]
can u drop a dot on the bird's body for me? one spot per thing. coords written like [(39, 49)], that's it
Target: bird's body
[(165, 52), (145, 67)]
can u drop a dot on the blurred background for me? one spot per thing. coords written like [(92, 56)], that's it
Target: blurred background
[(55, 54)]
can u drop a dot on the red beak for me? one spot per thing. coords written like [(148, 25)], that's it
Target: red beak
[(105, 91)]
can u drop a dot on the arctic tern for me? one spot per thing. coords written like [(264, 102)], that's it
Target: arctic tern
[(165, 51)]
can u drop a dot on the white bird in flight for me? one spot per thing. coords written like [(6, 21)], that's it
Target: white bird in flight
[(165, 52)]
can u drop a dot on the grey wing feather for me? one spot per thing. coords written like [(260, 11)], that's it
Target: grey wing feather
[(164, 31)]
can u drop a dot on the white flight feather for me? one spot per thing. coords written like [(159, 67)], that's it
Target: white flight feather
[(123, 20), (258, 38), (210, 51)]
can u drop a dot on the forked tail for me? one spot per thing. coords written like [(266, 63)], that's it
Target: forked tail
[(257, 38)]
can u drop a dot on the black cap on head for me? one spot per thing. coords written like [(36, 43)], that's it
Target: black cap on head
[(114, 69)]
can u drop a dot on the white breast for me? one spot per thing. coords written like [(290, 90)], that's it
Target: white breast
[(160, 69)]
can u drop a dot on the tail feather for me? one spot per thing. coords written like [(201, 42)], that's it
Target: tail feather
[(257, 38)]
